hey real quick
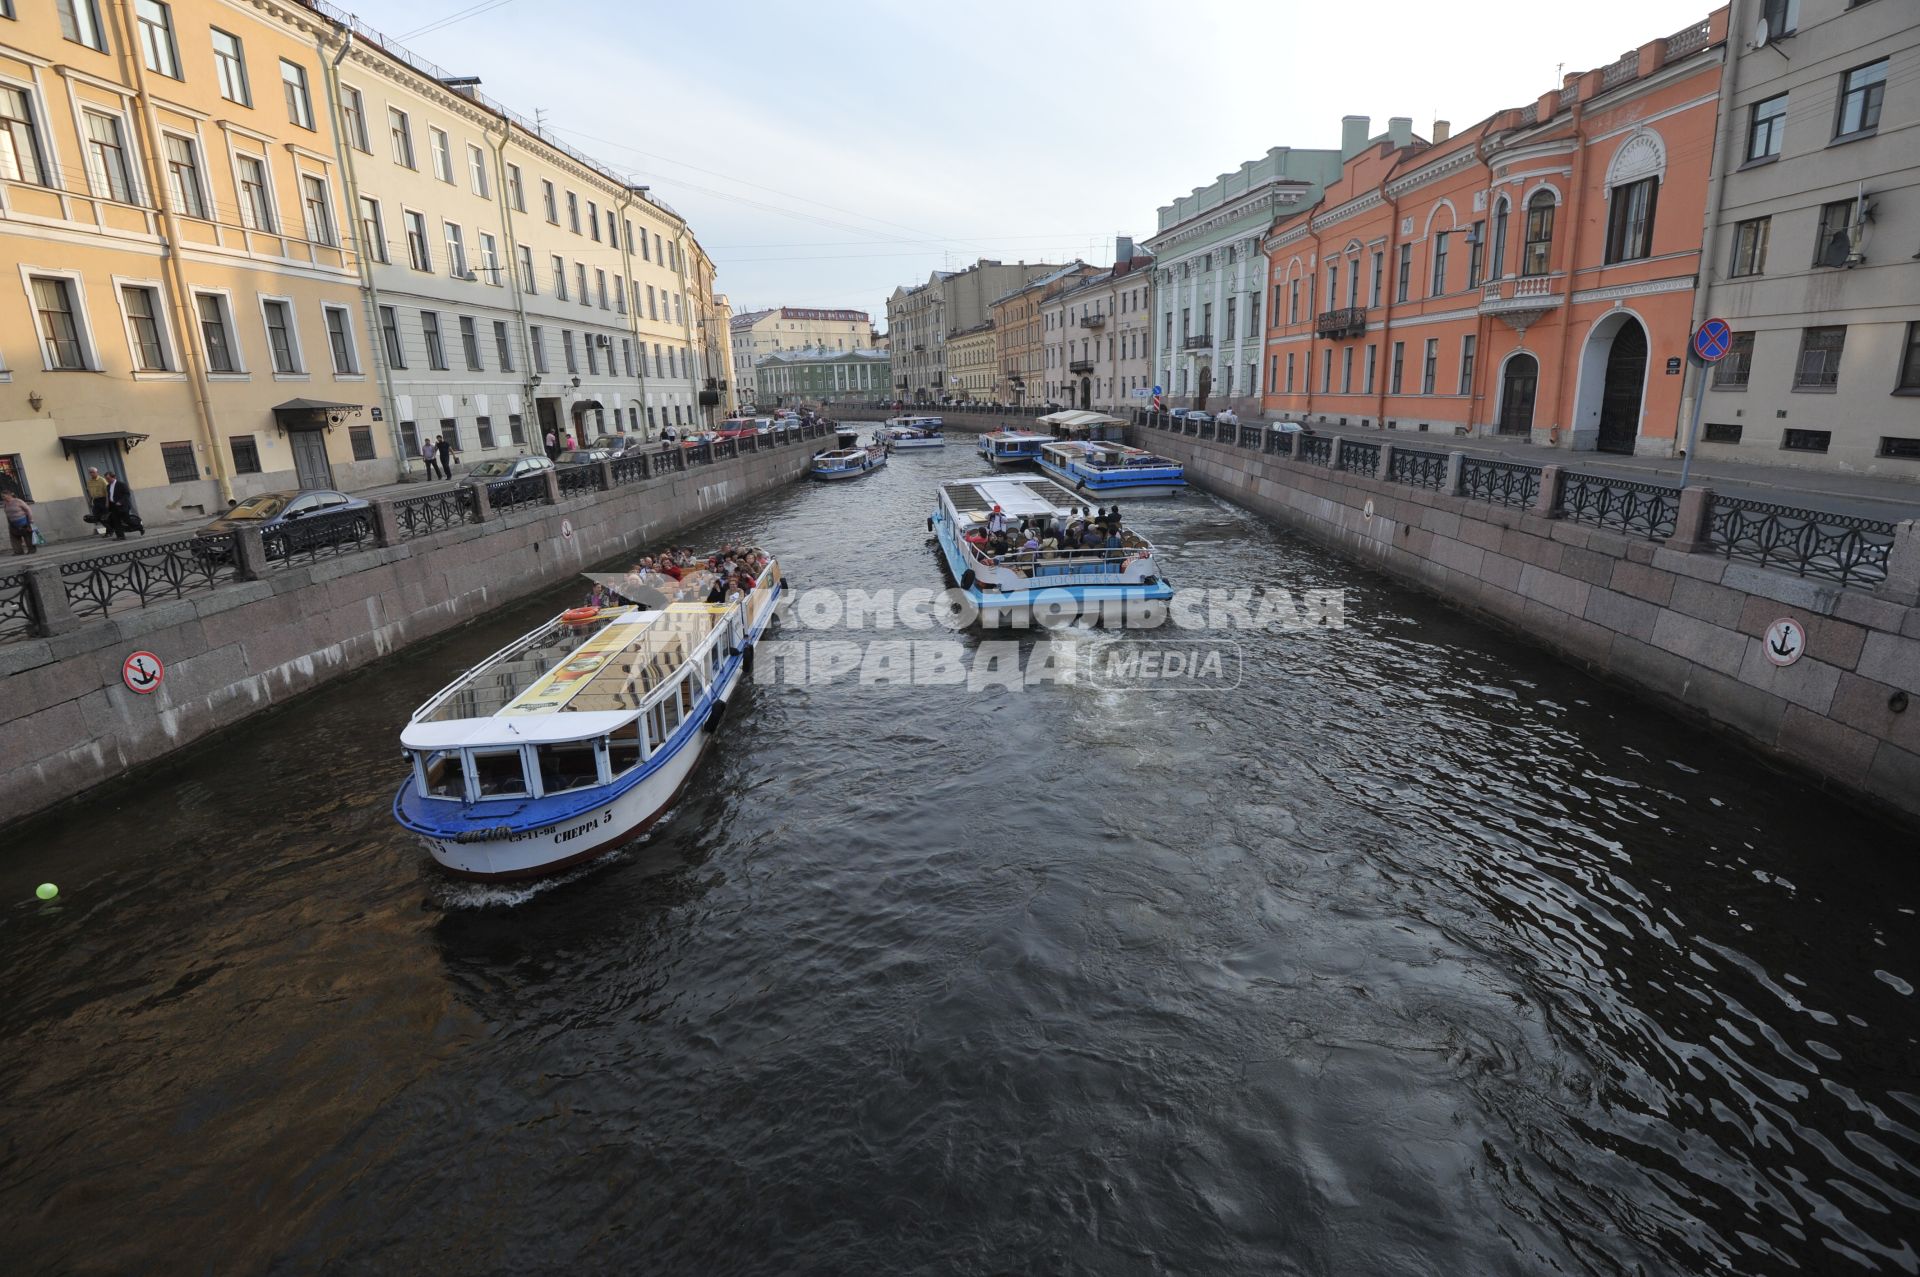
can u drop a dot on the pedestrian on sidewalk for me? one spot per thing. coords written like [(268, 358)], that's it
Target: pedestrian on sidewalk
[(97, 499), (553, 446), (19, 522), (430, 455), (119, 506), (446, 456)]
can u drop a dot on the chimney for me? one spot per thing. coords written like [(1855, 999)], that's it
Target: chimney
[(1353, 135), (1400, 130), (1442, 130), (1123, 248)]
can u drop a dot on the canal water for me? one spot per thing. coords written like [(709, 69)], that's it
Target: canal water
[(1415, 953)]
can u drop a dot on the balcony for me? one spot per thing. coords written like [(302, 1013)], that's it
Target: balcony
[(1093, 321), (1080, 365), (1521, 300), (1198, 341), (1350, 322)]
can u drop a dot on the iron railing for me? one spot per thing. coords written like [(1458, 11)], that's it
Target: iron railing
[(137, 578), (19, 618), (517, 494), (318, 536), (630, 469), (1420, 469), (425, 515), (579, 481), (1620, 505), (1314, 449), (1359, 455), (670, 458), (1500, 482), (1835, 547)]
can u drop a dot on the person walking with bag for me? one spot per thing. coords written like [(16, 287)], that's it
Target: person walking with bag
[(97, 500), (19, 522), (446, 457), (119, 506)]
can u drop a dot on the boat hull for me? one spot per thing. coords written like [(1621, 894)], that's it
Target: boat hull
[(997, 606), (1095, 486), (899, 444), (830, 476)]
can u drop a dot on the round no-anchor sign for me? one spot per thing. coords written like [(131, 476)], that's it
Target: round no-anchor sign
[(1785, 641), (142, 672), (1712, 340), (566, 528)]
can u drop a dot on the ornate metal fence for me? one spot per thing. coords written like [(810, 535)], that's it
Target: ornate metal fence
[(1500, 482), (319, 536), (124, 579), (1641, 509), (629, 469), (517, 494), (1314, 449), (1835, 547), (1361, 456), (18, 616), (434, 512), (1420, 469), (579, 481)]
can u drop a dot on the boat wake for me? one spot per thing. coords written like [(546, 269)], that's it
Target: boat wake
[(453, 896)]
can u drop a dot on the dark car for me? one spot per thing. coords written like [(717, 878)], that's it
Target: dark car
[(289, 522)]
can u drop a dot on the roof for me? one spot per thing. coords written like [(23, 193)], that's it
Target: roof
[(1042, 280), (1078, 417)]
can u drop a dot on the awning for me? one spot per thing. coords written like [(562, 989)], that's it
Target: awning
[(311, 414), (126, 437), (580, 406), (1078, 418)]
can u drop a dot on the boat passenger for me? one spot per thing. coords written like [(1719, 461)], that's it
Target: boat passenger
[(997, 521)]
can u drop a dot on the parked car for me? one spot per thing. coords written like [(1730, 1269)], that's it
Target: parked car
[(509, 468), (288, 521), (582, 456)]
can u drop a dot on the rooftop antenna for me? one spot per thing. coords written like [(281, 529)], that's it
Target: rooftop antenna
[(540, 119)]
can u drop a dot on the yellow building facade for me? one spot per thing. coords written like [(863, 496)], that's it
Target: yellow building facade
[(973, 363)]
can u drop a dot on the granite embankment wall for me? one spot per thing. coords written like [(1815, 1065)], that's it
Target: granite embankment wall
[(68, 723), (1682, 628)]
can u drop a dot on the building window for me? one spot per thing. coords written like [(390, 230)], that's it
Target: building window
[(107, 157), (1891, 446), (1431, 366), (419, 252), (1910, 362), (1404, 284), (1466, 364), (524, 257), (361, 439), (1750, 247), (430, 330), (546, 192), (183, 176), (470, 343), (1630, 220), (230, 67), (372, 234), (143, 322), (1398, 368), (1476, 253), (516, 429), (580, 277), (256, 202), (566, 346), (477, 171), (180, 462), (1722, 432), (1536, 254), (442, 154), (246, 454), (281, 341), (216, 333), (400, 135), (619, 295), (410, 438), (1498, 257), (390, 338), (1861, 91), (20, 159), (1736, 366), (1833, 244), (59, 324), (1806, 440), (293, 77), (490, 259), (593, 220), (353, 108), (1346, 370), (80, 22), (1439, 282), (593, 358), (536, 342), (485, 425), (600, 287), (559, 277), (1819, 364), (1372, 353), (319, 210), (157, 49), (516, 189), (340, 340), (1766, 126), (1782, 16), (502, 348), (573, 212)]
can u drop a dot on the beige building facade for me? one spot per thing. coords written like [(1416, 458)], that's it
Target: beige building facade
[(1021, 336), (759, 333), (972, 362), (1097, 334), (921, 319)]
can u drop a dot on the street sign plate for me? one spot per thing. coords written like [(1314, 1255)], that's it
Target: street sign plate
[(1673, 366), (1712, 340)]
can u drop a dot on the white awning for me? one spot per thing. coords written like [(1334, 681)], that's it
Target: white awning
[(505, 733), (1079, 417)]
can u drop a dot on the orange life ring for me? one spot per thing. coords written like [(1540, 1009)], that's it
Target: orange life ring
[(579, 615)]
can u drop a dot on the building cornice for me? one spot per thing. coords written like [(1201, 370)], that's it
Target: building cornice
[(1445, 166), (1208, 225), (1646, 288)]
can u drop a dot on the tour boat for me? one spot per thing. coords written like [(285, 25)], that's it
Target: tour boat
[(1111, 469), (848, 463), (1011, 447), (1128, 574), (914, 432), (577, 737)]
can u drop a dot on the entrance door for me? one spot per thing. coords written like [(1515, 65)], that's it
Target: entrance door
[(310, 466), (549, 413), (1206, 387), (1620, 400), (1517, 388), (1086, 392), (104, 457)]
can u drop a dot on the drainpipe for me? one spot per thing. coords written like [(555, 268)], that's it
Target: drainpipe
[(531, 418), (633, 308), (1724, 148), (362, 251), (1568, 383), (686, 308), (185, 322), (1483, 324), (1313, 313)]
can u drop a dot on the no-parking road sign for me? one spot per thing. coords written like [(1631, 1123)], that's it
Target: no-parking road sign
[(1712, 340)]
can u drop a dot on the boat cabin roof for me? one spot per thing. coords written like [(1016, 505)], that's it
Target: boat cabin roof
[(1017, 436), (973, 499), (841, 454)]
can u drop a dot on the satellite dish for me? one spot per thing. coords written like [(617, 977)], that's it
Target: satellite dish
[(1761, 34)]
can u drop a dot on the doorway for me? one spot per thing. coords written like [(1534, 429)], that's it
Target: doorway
[(1206, 387), (1086, 392), (1518, 385), (548, 411), (310, 466), (1620, 393)]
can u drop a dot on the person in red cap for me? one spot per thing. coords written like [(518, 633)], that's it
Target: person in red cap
[(996, 522)]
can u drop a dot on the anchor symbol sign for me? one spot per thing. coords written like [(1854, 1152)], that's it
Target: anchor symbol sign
[(1785, 641), (142, 672)]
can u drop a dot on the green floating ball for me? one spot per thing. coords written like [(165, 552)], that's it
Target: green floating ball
[(46, 891)]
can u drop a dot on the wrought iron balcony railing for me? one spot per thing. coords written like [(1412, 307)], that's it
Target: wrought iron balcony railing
[(1349, 322), (1198, 341)]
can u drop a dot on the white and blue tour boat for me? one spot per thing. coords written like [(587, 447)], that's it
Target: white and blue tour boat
[(1012, 447), (577, 737), (997, 585), (914, 432), (848, 463), (1101, 470)]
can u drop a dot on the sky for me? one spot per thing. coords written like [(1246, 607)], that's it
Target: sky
[(824, 154)]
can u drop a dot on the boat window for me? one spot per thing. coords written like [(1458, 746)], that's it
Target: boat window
[(499, 773), (686, 697), (446, 776), (568, 765), (623, 748)]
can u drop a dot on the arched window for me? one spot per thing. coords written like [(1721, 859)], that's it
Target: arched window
[(1497, 259), (1534, 261)]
